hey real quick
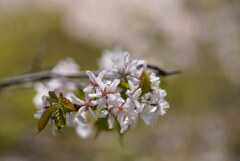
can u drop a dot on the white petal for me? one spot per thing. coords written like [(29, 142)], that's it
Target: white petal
[(141, 62), (70, 117), (162, 93), (126, 57), (77, 101), (164, 105), (94, 95), (129, 104), (137, 93), (91, 113), (114, 101), (103, 114), (84, 131), (148, 118), (111, 97), (54, 128), (93, 103), (124, 127), (100, 84), (101, 75), (81, 110), (39, 113), (114, 85), (131, 85), (44, 100), (91, 76), (81, 119), (87, 97), (110, 121), (138, 105), (120, 120), (66, 67), (101, 103), (154, 109), (88, 88)]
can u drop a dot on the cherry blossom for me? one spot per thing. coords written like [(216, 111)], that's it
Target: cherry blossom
[(124, 92)]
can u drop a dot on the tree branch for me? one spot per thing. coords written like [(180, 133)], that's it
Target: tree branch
[(40, 76), (161, 72)]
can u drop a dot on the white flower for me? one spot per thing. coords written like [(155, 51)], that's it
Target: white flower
[(106, 62), (114, 101), (126, 69), (44, 105), (154, 102), (162, 104), (70, 119), (64, 67), (108, 113), (95, 82), (155, 106), (106, 93), (134, 94), (148, 117), (127, 115), (87, 104), (155, 81), (84, 130)]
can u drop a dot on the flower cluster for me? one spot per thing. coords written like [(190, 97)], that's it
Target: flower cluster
[(65, 68), (116, 97)]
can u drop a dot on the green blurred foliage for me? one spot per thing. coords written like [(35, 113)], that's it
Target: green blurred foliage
[(202, 99), (35, 37), (32, 41)]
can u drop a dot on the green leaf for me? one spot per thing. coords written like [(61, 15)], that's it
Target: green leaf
[(56, 112), (124, 85), (60, 95), (145, 83), (59, 118), (52, 100), (52, 94), (45, 118), (80, 94), (66, 103)]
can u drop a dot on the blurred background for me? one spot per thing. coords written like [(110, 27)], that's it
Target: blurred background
[(200, 37)]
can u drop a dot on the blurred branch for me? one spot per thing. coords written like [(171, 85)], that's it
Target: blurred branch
[(161, 72), (40, 76)]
